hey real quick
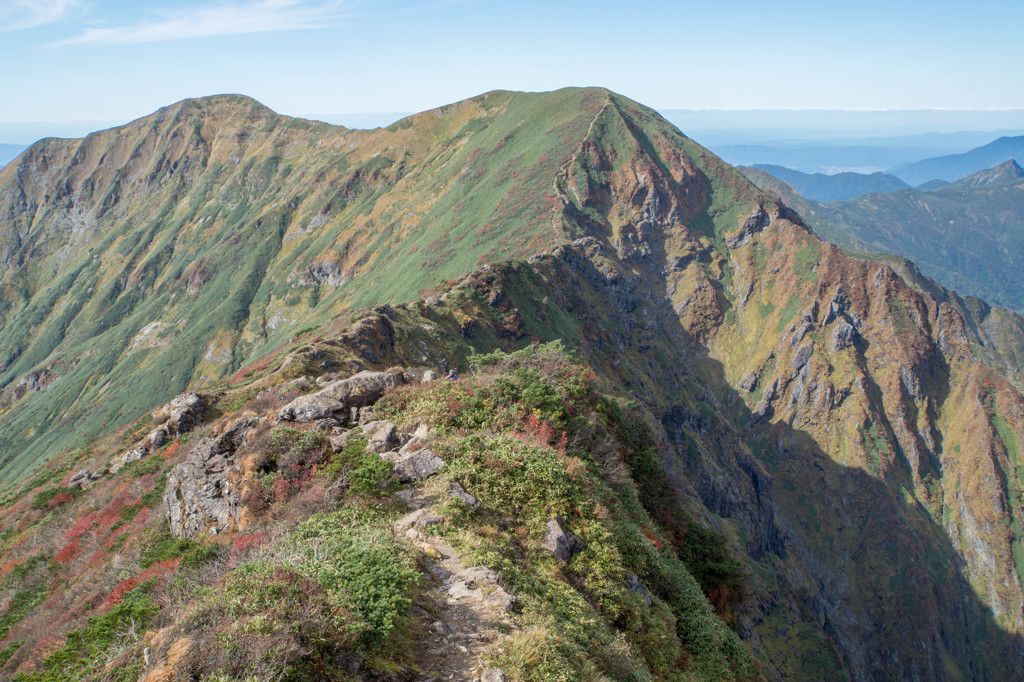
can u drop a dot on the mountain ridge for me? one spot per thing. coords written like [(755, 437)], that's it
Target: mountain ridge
[(955, 166), (810, 406), (839, 186)]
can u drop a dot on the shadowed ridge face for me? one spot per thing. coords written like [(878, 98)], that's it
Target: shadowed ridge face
[(839, 418)]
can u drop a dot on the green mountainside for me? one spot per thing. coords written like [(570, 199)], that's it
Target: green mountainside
[(964, 235), (837, 187), (741, 452)]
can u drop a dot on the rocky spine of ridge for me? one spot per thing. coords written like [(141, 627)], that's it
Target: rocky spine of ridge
[(847, 423)]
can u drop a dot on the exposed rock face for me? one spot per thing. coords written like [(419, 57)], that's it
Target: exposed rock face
[(382, 436), (201, 495), (362, 389), (179, 416), (308, 408), (81, 478), (417, 466), (337, 398), (560, 542)]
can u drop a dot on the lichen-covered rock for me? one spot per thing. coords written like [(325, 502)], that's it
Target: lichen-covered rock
[(309, 408), (492, 675), (362, 389), (382, 436), (418, 466), (843, 336), (184, 413), (134, 454), (80, 478), (560, 542), (200, 497)]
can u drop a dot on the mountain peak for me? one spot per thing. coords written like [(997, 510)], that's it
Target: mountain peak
[(1006, 172)]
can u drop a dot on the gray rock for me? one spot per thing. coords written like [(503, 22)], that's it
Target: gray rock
[(460, 590), (81, 477), (428, 376), (382, 436), (134, 454), (200, 497), (184, 413), (158, 436), (414, 498), (327, 423), (341, 437), (308, 408), (843, 336), (492, 675), (799, 333), (364, 415), (418, 466), (803, 354), (561, 543), (479, 576), (362, 389), (749, 381), (459, 493), (420, 518), (761, 412), (637, 587), (502, 599)]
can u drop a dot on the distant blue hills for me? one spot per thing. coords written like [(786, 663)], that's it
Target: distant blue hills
[(955, 166), (837, 187)]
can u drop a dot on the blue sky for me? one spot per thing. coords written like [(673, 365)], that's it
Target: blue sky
[(98, 60)]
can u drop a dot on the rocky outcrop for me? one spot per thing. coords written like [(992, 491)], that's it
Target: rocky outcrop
[(337, 399), (178, 417), (362, 389), (308, 408), (202, 495), (561, 543)]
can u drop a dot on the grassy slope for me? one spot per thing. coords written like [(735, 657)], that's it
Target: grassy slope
[(222, 222)]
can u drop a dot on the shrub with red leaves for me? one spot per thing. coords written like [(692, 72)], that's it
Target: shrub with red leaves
[(117, 594)]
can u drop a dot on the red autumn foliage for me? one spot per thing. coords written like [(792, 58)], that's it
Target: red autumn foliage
[(651, 536), (117, 594), (69, 552), (112, 513), (81, 527), (246, 542), (60, 499), (172, 449)]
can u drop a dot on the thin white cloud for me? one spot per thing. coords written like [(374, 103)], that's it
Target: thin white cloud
[(16, 15), (252, 16)]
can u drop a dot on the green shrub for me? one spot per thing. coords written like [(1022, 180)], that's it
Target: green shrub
[(367, 472), (84, 653), (43, 499)]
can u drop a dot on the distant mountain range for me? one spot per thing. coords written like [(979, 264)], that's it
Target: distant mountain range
[(955, 166), (836, 187), (966, 234)]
